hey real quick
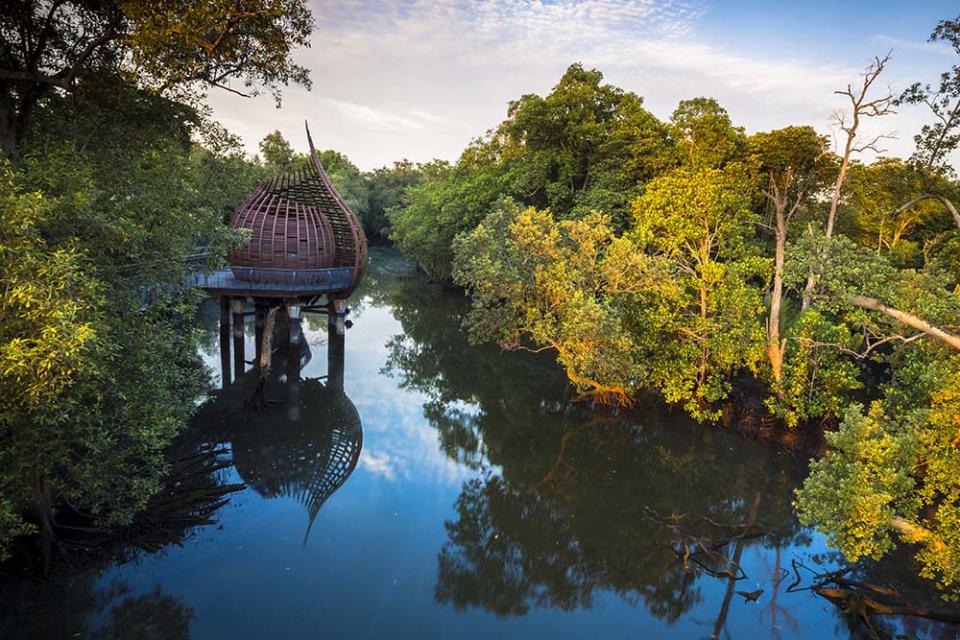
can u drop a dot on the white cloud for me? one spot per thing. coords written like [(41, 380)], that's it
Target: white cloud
[(378, 464), (420, 78), (900, 44), (371, 118)]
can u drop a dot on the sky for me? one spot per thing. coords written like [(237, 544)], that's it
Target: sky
[(419, 79)]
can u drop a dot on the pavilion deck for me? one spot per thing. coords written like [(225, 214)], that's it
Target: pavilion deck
[(304, 283)]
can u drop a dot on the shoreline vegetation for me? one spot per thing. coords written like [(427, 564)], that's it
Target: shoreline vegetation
[(689, 259), (761, 281)]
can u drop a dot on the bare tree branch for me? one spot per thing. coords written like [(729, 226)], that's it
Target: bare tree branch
[(865, 302), (931, 196)]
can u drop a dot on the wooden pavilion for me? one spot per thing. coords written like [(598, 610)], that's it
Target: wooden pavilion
[(306, 252)]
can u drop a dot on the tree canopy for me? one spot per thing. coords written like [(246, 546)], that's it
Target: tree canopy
[(178, 51)]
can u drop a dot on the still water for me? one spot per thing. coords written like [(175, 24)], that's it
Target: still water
[(434, 489)]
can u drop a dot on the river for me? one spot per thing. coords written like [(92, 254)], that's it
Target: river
[(448, 490)]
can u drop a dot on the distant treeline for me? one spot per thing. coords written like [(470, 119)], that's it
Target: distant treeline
[(371, 195)]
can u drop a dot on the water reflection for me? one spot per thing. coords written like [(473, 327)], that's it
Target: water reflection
[(306, 444), (572, 503), (484, 505), (76, 607)]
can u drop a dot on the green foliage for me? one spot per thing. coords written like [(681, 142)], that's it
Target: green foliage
[(446, 202), (385, 191), (701, 324), (586, 146), (668, 305), (819, 373), (888, 474), (48, 330), (704, 134), (278, 156), (795, 162), (99, 217), (180, 53), (672, 298), (210, 42), (851, 494), (555, 284), (346, 179), (893, 474), (876, 193), (936, 141)]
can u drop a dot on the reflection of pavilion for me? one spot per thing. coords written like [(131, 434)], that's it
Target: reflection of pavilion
[(306, 447)]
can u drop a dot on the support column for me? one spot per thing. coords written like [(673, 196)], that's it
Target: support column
[(339, 313), (293, 323), (335, 347), (236, 308), (224, 342), (293, 380), (260, 318)]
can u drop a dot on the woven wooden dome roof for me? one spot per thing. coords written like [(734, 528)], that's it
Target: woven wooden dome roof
[(300, 228)]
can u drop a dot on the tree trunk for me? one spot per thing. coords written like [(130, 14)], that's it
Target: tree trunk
[(775, 347), (834, 205), (8, 125), (917, 534), (43, 511), (865, 302), (702, 369), (861, 107)]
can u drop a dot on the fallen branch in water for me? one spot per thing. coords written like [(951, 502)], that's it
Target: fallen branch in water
[(864, 599)]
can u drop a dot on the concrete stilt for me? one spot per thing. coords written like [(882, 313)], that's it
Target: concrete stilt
[(236, 308), (335, 351), (224, 342), (339, 314), (293, 324), (260, 318)]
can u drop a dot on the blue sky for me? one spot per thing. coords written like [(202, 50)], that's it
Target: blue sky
[(419, 78)]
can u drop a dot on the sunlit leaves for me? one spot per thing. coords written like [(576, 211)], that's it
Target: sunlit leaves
[(47, 333), (667, 305), (214, 43), (851, 494)]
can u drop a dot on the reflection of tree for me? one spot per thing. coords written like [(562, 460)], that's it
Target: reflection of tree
[(75, 607), (644, 512), (145, 617), (570, 503), (479, 396)]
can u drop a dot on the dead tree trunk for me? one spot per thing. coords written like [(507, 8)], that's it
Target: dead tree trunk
[(259, 400), (860, 108), (775, 346)]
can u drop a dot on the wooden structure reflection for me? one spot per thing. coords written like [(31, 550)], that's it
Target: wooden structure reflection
[(308, 445)]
